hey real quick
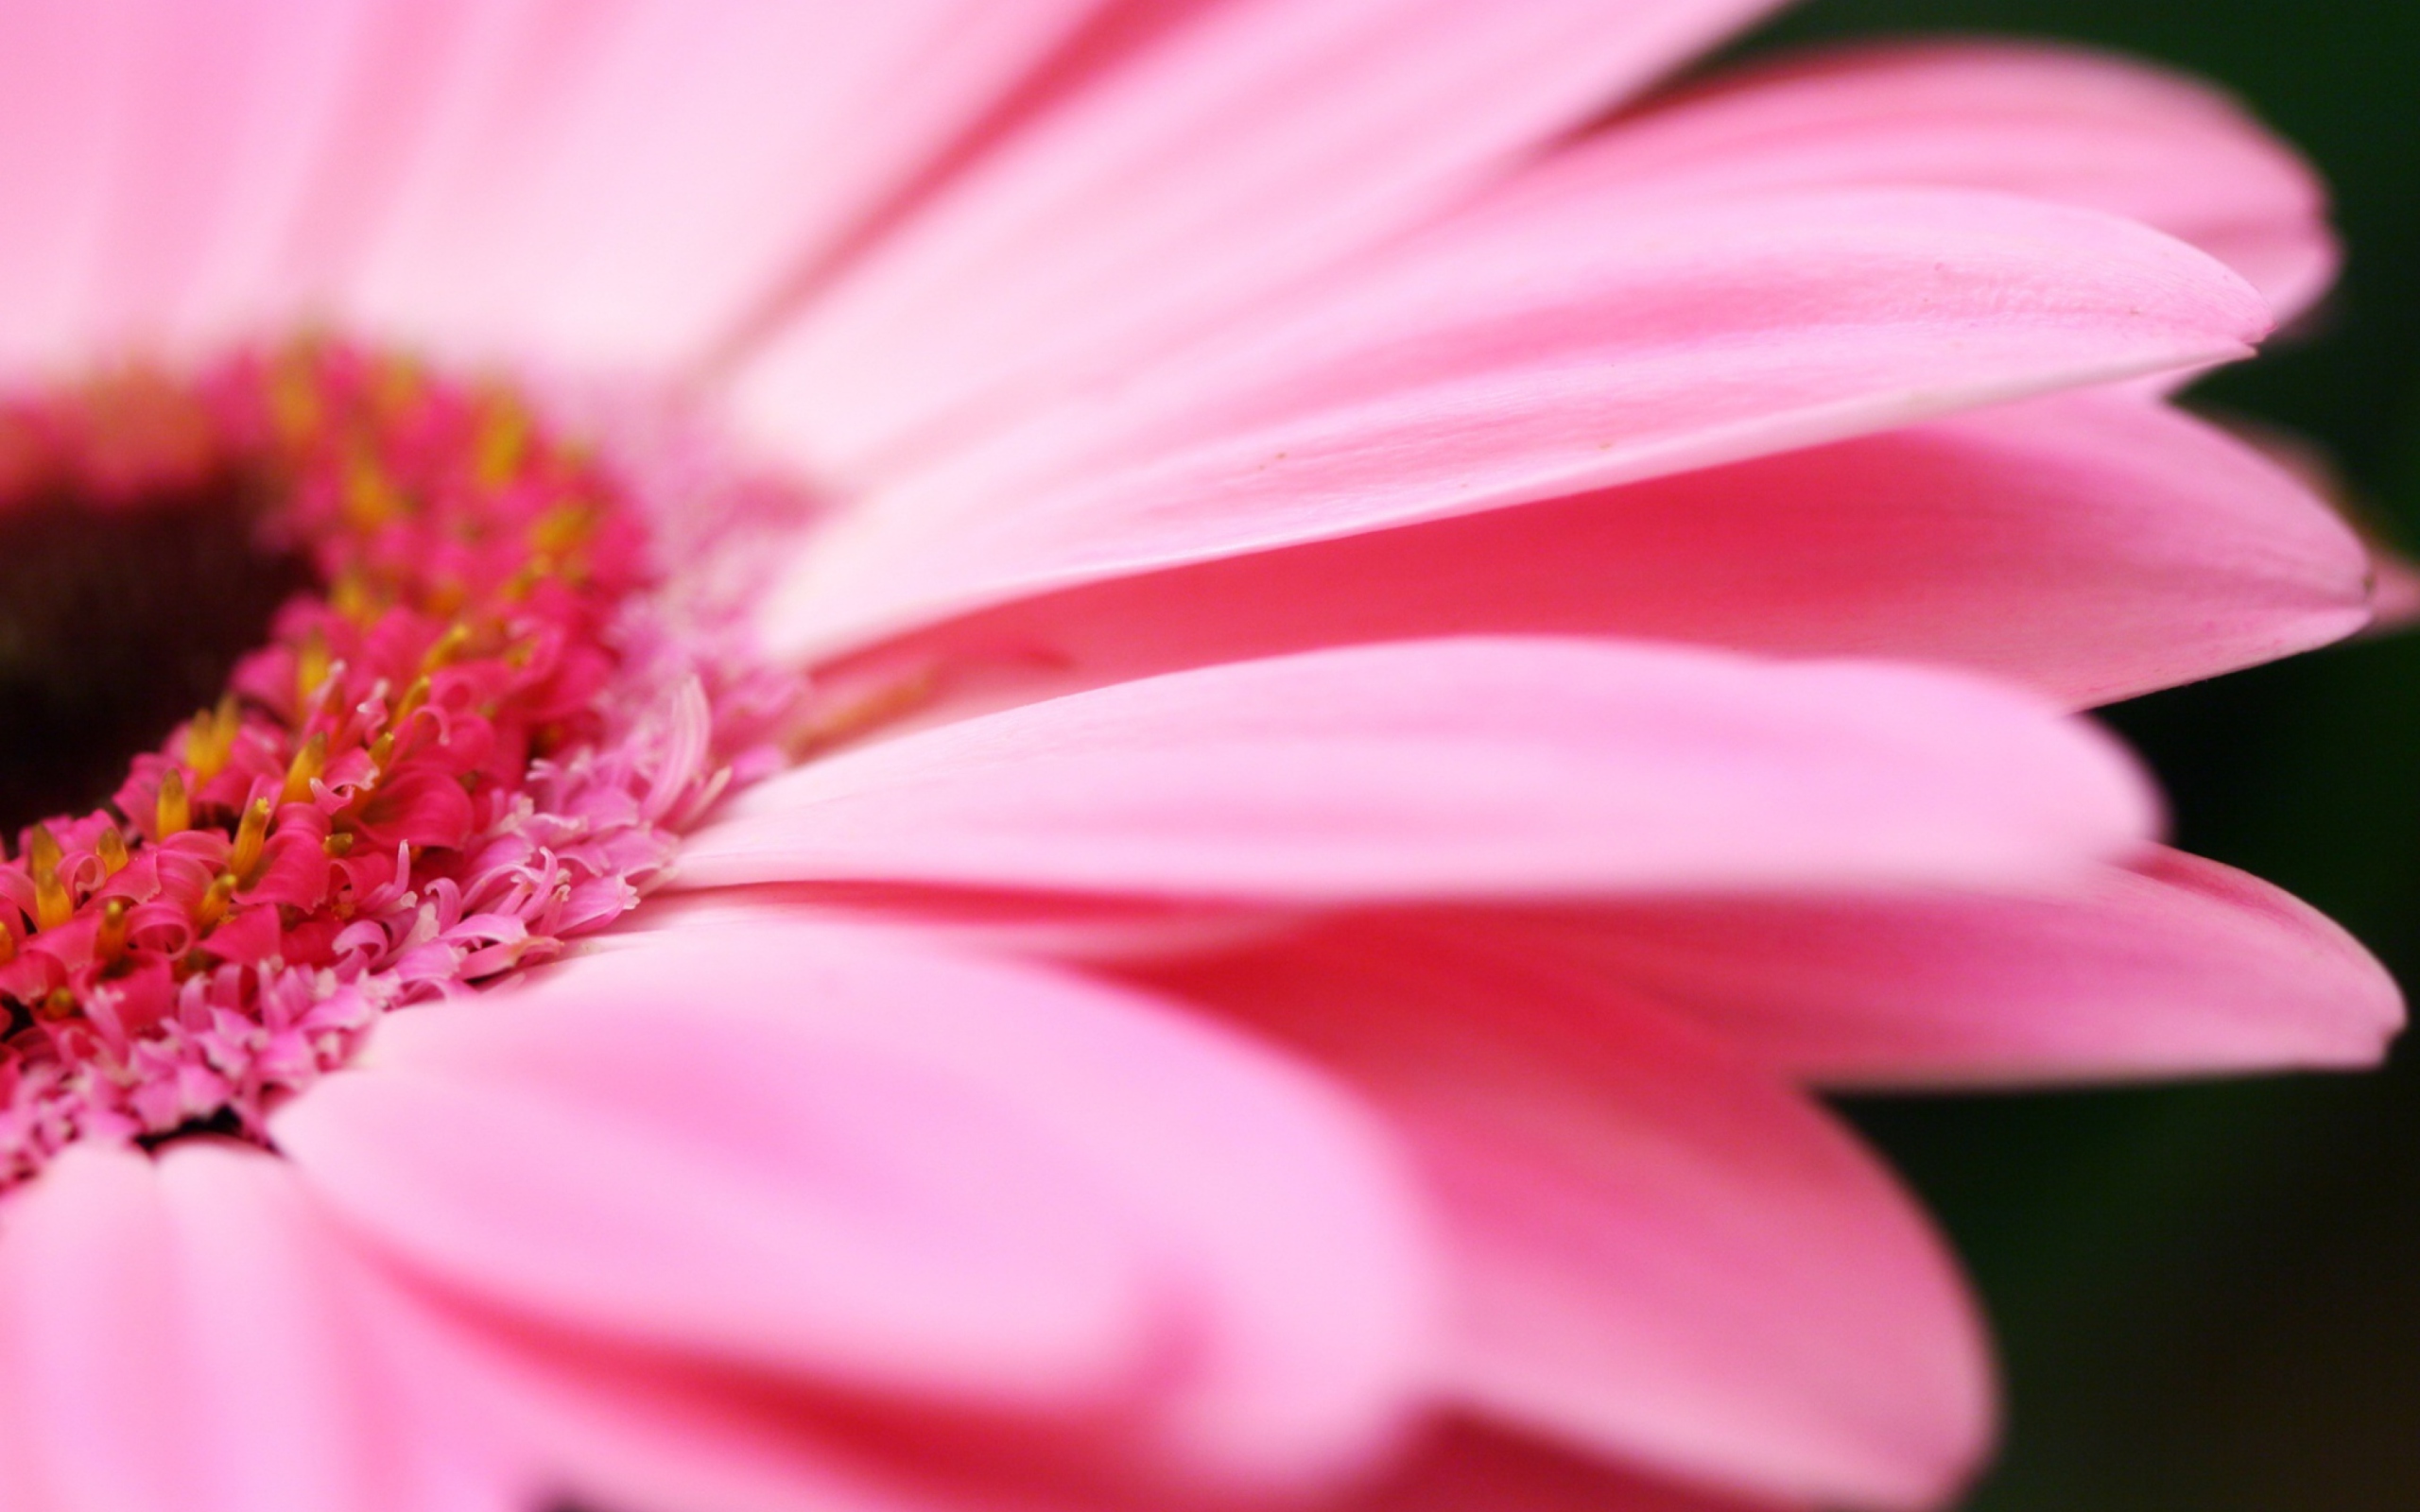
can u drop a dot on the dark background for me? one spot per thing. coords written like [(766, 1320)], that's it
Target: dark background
[(2208, 1297)]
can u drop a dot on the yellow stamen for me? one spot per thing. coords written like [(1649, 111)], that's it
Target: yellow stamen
[(110, 847), (210, 739), (399, 384), (339, 845), (526, 578), (414, 697), (503, 443), (252, 838), (109, 941), (213, 906), (52, 904), (370, 499), (307, 765), (561, 529), (353, 596), (8, 945), (447, 595), (381, 750), (312, 664), (448, 646), (172, 812), (294, 401), (58, 1003)]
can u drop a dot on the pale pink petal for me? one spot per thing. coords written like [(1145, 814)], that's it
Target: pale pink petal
[(142, 122), (2173, 965), (345, 153), (1256, 142), (2058, 123), (1480, 767), (198, 172), (204, 171), (1089, 928), (1538, 351), (825, 1158), (2093, 546), (1665, 1255), (621, 184), (64, 75), (625, 1449), (618, 1434), (185, 1336), (246, 120), (847, 1236)]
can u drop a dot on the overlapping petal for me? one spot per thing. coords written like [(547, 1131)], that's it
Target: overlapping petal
[(2091, 545), (2172, 965), (801, 1155), (624, 186), (1525, 355), (1664, 1253), (2057, 122), (186, 1333), (1481, 768), (617, 185), (1167, 369), (1307, 129)]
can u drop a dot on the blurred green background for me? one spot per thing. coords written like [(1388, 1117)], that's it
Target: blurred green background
[(2208, 1297)]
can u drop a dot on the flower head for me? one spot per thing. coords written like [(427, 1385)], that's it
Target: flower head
[(1088, 754), (465, 736)]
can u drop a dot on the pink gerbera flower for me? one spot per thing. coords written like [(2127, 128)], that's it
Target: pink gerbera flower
[(1276, 688)]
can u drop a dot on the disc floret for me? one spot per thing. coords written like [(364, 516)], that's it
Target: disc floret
[(466, 745)]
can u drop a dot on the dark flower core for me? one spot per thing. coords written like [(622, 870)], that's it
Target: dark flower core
[(118, 617), (324, 685)]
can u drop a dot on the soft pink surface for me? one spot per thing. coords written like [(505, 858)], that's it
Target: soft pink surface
[(1520, 356), (488, 181), (187, 1333), (585, 221), (1502, 767), (2171, 964), (1306, 438), (1662, 1251), (2092, 545), (803, 1152), (2055, 123), (1308, 130)]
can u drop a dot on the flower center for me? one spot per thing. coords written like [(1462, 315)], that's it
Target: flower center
[(329, 687), (119, 616)]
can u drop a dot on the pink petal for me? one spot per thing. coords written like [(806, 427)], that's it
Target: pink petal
[(1665, 1255), (207, 113), (2091, 545), (2058, 123), (612, 1436), (1466, 1467), (1505, 767), (184, 1336), (817, 1155), (622, 185), (1509, 357), (1259, 141), (61, 92), (2173, 965)]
